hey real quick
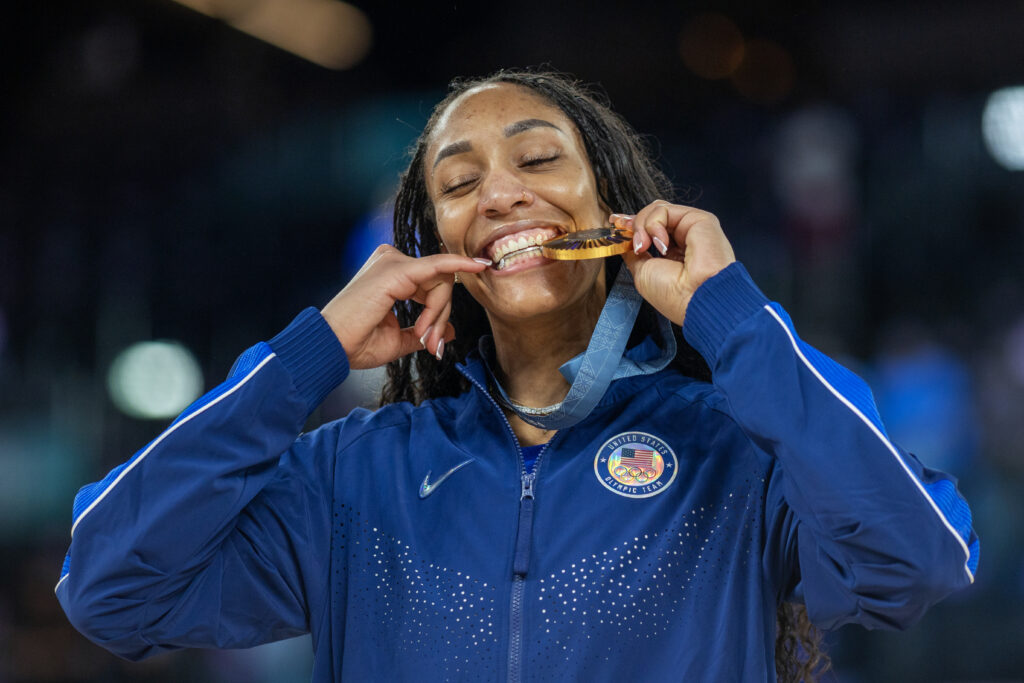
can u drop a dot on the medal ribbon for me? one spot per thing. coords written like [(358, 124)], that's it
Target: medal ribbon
[(591, 372)]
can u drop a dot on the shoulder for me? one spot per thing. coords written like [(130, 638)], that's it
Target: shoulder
[(394, 418), (676, 388), (702, 412)]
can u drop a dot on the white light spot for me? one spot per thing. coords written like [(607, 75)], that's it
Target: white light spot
[(154, 379), (1002, 125)]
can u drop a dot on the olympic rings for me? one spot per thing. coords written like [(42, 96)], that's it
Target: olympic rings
[(633, 474)]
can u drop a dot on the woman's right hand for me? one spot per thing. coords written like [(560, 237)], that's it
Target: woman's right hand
[(361, 314)]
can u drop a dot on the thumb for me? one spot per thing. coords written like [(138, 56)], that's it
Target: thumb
[(656, 279)]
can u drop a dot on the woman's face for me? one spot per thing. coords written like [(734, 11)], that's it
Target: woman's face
[(507, 171)]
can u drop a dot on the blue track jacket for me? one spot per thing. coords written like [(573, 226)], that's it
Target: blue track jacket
[(652, 542)]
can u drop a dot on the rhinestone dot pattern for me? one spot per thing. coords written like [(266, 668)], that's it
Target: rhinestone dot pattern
[(603, 608), (416, 609), (585, 616)]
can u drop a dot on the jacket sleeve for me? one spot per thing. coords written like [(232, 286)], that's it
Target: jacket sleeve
[(202, 537), (857, 529)]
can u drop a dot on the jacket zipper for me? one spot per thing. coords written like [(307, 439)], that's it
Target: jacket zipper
[(524, 539)]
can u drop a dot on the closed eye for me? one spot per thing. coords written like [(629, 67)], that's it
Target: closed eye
[(456, 184), (462, 182), (539, 161)]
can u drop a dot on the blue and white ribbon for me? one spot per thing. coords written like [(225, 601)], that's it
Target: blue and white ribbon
[(591, 372)]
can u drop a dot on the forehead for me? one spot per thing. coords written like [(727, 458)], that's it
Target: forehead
[(488, 108)]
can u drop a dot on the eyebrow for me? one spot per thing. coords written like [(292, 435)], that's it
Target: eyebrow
[(460, 147), (526, 124), (463, 146)]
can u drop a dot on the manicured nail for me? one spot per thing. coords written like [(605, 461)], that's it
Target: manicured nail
[(440, 349), (661, 245), (638, 243), (423, 339), (485, 261)]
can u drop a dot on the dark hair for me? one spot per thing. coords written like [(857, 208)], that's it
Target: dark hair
[(627, 180)]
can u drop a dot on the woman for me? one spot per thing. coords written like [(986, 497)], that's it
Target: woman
[(499, 518)]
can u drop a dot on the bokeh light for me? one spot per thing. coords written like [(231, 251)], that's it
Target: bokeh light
[(766, 74), (1002, 124), (711, 45), (154, 379), (333, 34)]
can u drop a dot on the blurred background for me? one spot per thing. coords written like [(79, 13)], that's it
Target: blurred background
[(178, 179)]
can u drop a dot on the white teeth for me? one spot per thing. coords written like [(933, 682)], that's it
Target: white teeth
[(515, 257), (515, 244)]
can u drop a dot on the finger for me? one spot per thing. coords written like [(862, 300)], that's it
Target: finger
[(654, 220), (382, 251), (447, 331), (408, 342), (389, 276), (416, 276), (680, 220), (621, 220), (433, 341), (435, 302), (641, 240), (624, 221), (428, 336), (436, 337), (422, 294), (424, 269)]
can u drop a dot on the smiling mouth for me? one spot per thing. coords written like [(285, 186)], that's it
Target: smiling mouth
[(516, 256), (519, 246)]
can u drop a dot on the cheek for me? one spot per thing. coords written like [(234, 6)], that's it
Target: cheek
[(583, 189), (448, 227)]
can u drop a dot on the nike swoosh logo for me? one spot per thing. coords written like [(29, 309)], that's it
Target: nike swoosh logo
[(426, 488)]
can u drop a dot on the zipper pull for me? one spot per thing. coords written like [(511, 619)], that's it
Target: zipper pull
[(524, 533), (528, 480)]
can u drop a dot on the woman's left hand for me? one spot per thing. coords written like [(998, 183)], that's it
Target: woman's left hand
[(694, 249)]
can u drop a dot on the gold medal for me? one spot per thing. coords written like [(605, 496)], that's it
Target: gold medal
[(587, 244)]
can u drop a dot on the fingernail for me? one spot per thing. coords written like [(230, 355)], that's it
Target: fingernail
[(423, 339), (638, 243), (485, 261), (661, 245), (440, 349)]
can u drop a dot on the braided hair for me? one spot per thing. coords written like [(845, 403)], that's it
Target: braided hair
[(627, 180)]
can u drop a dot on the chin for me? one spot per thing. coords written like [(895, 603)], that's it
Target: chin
[(541, 291)]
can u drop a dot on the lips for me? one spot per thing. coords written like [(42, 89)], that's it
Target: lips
[(518, 237)]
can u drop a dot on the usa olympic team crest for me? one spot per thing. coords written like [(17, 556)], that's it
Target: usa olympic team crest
[(635, 465)]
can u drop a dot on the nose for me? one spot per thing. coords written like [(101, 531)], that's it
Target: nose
[(501, 193)]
